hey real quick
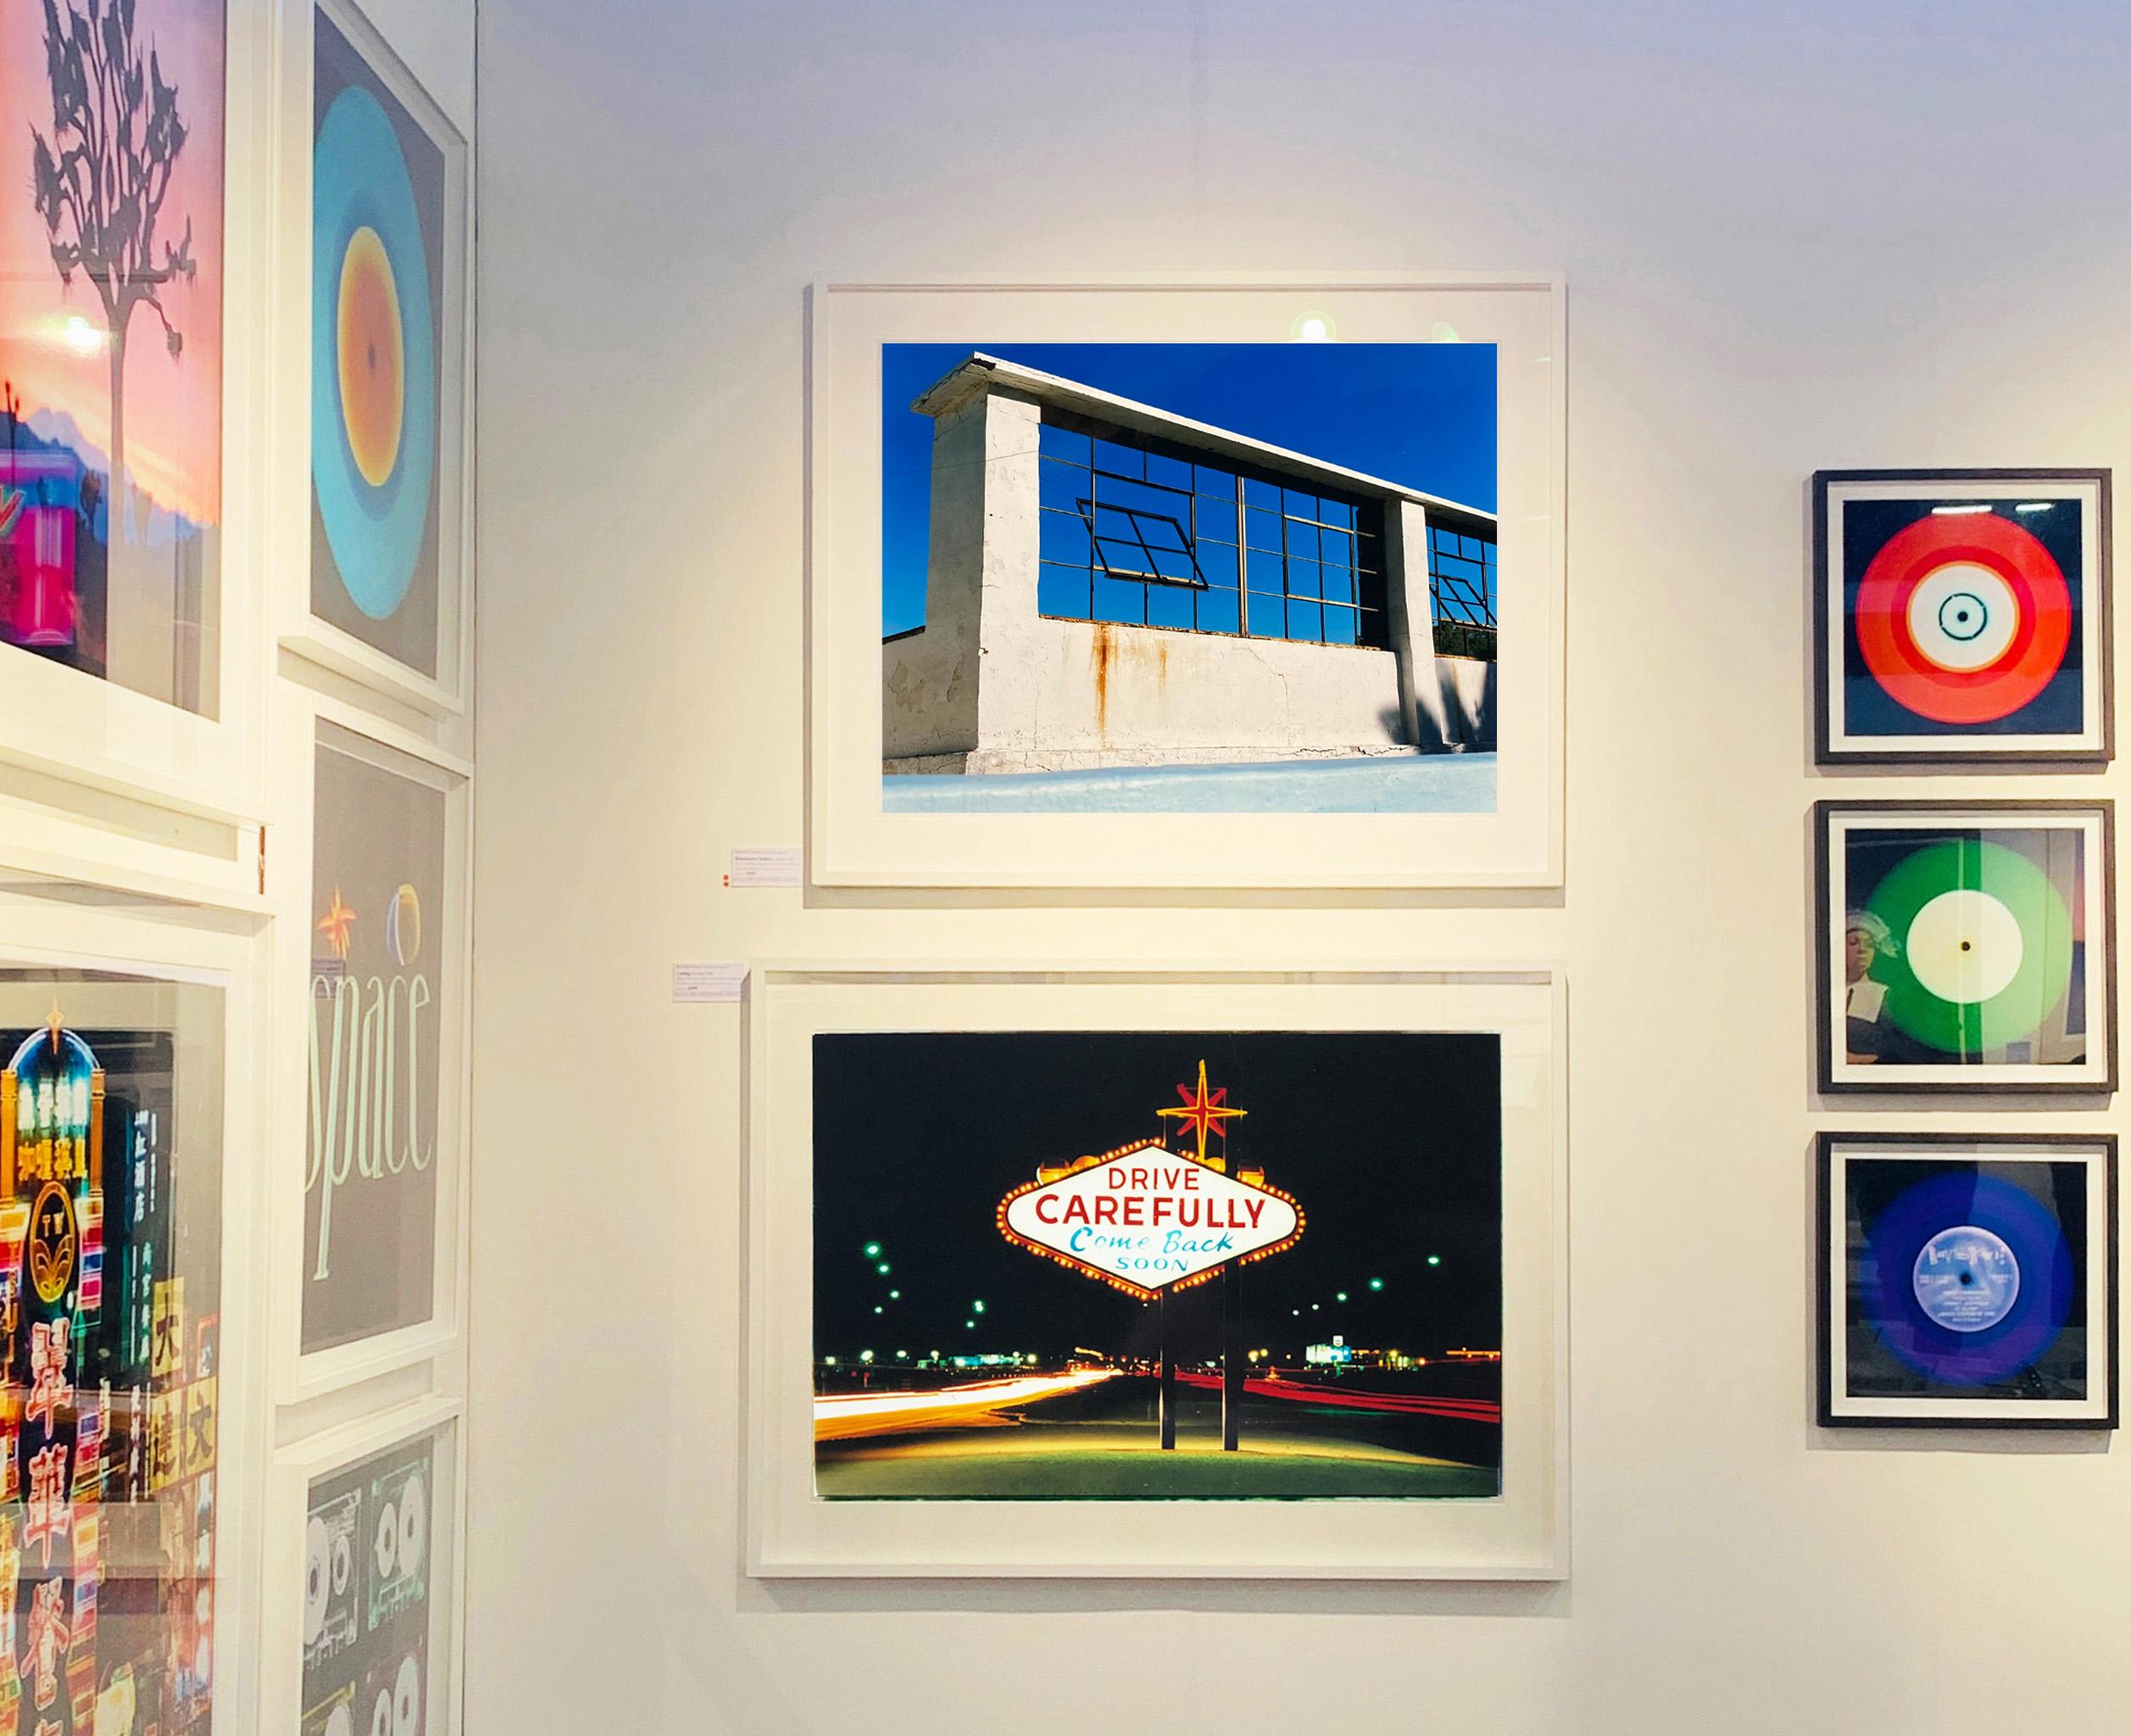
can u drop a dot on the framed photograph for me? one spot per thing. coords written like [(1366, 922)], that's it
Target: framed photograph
[(365, 1535), (1152, 1273), (1965, 946), (388, 290), (1968, 1280), (1089, 559), (131, 427), (128, 1120), (1962, 617), (372, 973)]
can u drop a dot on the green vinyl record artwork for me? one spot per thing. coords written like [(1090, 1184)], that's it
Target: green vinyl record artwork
[(1982, 945)]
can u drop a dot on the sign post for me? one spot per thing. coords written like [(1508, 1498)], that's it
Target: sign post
[(1231, 1356), (1168, 1378)]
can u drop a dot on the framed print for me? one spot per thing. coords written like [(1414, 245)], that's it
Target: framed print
[(129, 1123), (1968, 1280), (1962, 617), (1176, 1229), (366, 1531), (373, 978), (388, 301), (1965, 946), (130, 428), (1088, 556)]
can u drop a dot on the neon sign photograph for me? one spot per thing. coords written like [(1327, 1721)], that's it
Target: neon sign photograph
[(1134, 1266)]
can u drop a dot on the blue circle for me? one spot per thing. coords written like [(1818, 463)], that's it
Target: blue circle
[(359, 180), (1937, 1209)]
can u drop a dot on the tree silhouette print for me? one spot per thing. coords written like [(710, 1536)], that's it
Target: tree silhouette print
[(101, 178)]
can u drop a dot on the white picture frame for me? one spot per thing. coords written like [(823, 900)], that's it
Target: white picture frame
[(298, 626), (853, 844), (296, 1470), (49, 923), (1521, 1534), (308, 720), (63, 724)]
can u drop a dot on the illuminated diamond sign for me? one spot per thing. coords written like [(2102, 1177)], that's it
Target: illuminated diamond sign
[(1146, 1219)]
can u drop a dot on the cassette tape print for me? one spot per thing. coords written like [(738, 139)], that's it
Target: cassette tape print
[(332, 1588), (399, 1539), (368, 1550)]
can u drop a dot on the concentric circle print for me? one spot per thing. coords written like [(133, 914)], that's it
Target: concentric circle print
[(2017, 1264), (373, 386), (1963, 618), (1983, 945)]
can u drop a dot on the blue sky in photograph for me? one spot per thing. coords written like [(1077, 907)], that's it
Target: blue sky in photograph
[(1422, 415)]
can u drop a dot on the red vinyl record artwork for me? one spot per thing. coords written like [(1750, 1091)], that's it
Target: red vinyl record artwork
[(1963, 618)]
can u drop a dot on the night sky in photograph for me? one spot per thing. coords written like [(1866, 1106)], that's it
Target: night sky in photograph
[(1390, 1142)]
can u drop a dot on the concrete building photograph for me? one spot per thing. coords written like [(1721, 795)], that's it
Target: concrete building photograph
[(1223, 588)]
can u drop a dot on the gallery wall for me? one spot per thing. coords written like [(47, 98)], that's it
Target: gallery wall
[(1793, 238)]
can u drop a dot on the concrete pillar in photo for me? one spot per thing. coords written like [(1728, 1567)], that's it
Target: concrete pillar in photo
[(946, 686)]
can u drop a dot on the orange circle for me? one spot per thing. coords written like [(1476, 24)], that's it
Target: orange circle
[(373, 362)]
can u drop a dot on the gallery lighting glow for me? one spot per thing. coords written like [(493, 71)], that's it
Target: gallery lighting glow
[(2034, 506), (80, 335), (842, 1414), (1955, 512)]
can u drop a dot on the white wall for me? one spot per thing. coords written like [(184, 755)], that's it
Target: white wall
[(1797, 235)]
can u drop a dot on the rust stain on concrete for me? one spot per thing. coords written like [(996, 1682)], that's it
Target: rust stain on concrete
[(1102, 650)]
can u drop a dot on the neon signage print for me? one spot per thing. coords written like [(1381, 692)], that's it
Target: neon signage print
[(1145, 1219)]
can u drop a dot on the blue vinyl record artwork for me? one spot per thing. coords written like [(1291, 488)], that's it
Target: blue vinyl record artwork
[(1966, 1279), (378, 188)]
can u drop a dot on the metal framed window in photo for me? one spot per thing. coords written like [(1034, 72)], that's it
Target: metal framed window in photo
[(1962, 617), (1967, 1280), (1965, 946), (1173, 1226), (1287, 552)]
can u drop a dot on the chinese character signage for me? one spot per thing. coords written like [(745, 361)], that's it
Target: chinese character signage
[(108, 1410)]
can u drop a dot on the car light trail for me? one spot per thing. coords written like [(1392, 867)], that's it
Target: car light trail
[(1415, 1405), (841, 1416)]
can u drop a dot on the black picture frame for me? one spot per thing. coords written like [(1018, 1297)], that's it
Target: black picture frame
[(1963, 750), (2101, 1243), (1990, 812)]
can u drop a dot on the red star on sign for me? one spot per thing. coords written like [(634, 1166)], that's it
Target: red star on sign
[(1203, 1112), (335, 925)]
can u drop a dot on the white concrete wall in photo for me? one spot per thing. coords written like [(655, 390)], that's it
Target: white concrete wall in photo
[(1816, 235)]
